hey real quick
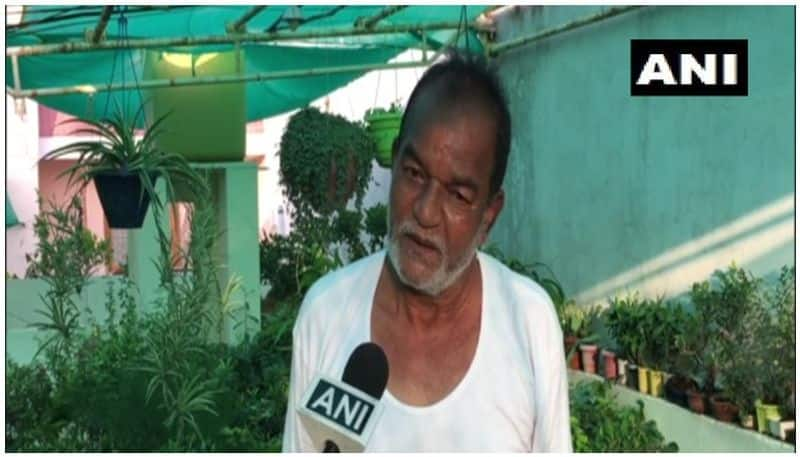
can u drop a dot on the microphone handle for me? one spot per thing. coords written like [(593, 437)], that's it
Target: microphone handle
[(330, 446)]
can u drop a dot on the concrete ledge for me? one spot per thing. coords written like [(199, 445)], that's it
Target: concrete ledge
[(690, 431)]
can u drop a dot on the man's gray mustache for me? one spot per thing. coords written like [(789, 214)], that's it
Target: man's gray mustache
[(408, 228)]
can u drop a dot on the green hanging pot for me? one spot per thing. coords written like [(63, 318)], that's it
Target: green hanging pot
[(384, 127)]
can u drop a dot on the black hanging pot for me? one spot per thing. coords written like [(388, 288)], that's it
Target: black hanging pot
[(122, 198)]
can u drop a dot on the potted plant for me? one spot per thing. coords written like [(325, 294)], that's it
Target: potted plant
[(384, 126), (623, 318), (124, 169), (324, 161), (575, 323)]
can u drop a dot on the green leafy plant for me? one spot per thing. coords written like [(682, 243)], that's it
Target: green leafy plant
[(376, 226), (538, 271), (599, 424), (623, 318), (65, 246), (324, 159), (117, 150)]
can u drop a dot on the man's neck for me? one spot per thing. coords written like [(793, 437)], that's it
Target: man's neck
[(424, 312)]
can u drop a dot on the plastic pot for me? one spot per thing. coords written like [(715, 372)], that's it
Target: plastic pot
[(633, 376), (643, 374), (384, 127), (589, 358), (696, 401), (765, 412), (622, 371), (124, 204), (779, 429), (609, 365), (722, 409), (746, 420), (655, 381), (675, 389)]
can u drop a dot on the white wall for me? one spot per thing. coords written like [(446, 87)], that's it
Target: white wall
[(22, 180)]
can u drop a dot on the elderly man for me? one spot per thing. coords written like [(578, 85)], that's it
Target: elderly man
[(475, 353)]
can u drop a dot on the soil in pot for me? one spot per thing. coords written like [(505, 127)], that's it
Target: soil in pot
[(723, 409), (589, 358), (696, 401)]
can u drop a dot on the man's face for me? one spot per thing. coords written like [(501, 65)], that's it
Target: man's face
[(440, 209)]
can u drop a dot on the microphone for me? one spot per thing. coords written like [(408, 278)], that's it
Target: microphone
[(341, 415)]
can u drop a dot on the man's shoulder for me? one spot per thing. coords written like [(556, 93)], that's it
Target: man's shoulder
[(335, 290), (528, 302)]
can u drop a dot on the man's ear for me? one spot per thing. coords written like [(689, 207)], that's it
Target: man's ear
[(493, 212)]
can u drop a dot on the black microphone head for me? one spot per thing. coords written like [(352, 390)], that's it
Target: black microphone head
[(367, 369)]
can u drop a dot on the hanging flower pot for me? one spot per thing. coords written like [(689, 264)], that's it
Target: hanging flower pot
[(633, 376), (589, 358), (622, 371), (124, 200), (696, 401), (384, 126), (571, 342), (609, 364), (765, 412), (643, 374), (722, 409), (655, 382)]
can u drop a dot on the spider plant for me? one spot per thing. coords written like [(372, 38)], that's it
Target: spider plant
[(117, 152)]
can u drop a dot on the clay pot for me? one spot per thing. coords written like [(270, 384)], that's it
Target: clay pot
[(589, 358), (675, 389), (722, 409), (609, 365), (575, 361), (622, 371), (643, 374), (696, 401)]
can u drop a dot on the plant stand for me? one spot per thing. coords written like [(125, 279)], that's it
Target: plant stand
[(234, 189)]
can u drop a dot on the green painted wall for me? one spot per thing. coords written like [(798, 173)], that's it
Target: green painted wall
[(24, 304), (649, 193), (690, 431), (206, 123)]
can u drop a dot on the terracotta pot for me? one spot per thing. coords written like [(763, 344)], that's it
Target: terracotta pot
[(589, 358), (722, 409), (675, 389), (765, 412), (643, 374), (575, 361), (622, 371), (655, 381), (609, 365), (696, 401), (633, 376)]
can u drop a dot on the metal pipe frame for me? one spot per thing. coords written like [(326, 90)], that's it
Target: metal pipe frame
[(370, 22), (65, 48), (500, 48), (205, 80), (238, 26)]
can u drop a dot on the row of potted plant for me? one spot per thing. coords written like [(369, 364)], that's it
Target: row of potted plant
[(728, 350)]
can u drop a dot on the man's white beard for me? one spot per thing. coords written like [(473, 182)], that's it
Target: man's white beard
[(442, 277)]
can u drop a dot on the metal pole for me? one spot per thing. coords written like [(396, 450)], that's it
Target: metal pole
[(195, 81), (101, 24), (238, 26), (522, 41), (63, 48), (371, 21), (19, 104)]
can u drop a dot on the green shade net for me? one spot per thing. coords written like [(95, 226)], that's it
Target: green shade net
[(59, 24), (11, 216)]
